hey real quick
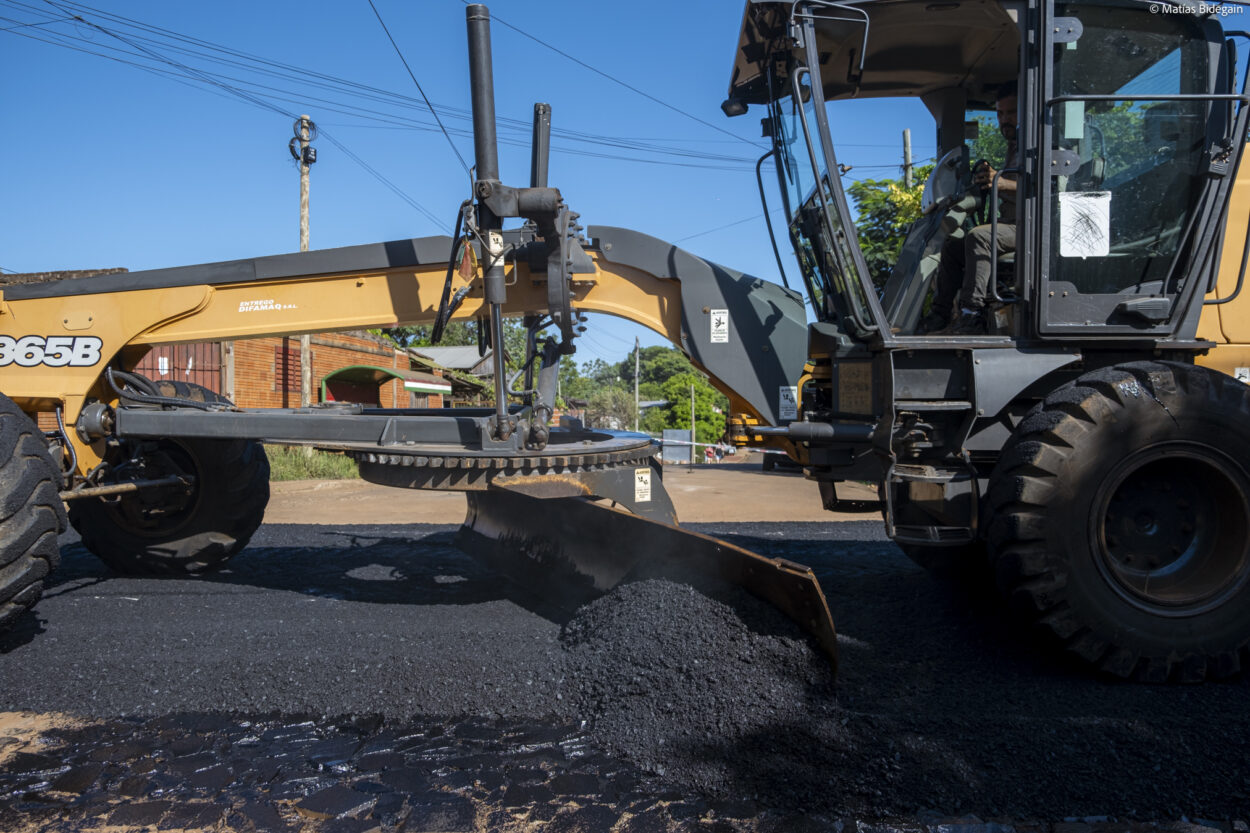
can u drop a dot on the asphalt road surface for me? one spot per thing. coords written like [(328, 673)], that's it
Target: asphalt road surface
[(371, 677)]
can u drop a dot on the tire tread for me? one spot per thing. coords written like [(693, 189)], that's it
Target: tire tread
[(1034, 580), (31, 513)]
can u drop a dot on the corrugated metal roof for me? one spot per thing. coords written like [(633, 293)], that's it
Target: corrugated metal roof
[(464, 358)]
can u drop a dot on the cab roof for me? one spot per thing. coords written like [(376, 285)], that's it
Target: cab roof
[(915, 47)]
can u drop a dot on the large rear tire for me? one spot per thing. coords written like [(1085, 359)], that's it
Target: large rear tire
[(1121, 521), (31, 512), (178, 531)]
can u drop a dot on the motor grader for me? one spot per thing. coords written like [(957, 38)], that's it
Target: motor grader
[(1092, 451)]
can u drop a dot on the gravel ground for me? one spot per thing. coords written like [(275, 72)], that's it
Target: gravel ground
[(942, 709)]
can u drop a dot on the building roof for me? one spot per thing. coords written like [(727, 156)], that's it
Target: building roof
[(464, 358)]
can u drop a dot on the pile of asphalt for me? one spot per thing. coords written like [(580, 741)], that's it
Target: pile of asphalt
[(693, 688), (722, 697)]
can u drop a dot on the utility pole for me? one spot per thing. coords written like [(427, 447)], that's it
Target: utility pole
[(636, 363), (906, 157), (227, 369), (693, 447), (306, 155)]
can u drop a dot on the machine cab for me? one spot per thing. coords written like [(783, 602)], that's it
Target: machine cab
[(1109, 208)]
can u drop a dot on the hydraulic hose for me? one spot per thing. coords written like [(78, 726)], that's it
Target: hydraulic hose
[(153, 397)]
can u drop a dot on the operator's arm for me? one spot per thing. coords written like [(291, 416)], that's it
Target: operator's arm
[(984, 175)]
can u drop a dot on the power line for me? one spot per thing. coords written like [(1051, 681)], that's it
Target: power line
[(413, 76), (619, 82), (208, 51), (186, 69), (150, 55), (395, 189), (256, 101), (264, 95), (40, 23), (719, 228), (598, 348), (603, 332), (386, 120)]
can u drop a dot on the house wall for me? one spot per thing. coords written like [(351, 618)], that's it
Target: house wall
[(267, 370)]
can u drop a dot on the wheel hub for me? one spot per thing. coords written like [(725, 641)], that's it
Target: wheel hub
[(159, 510), (1171, 527)]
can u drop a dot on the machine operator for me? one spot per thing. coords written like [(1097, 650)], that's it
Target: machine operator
[(966, 262)]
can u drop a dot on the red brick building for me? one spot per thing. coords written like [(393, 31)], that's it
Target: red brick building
[(266, 372)]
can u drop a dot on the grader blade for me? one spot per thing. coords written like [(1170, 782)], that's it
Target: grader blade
[(572, 549)]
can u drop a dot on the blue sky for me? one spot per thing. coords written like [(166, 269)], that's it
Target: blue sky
[(108, 164)]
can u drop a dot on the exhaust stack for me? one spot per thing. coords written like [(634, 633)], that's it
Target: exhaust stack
[(486, 161)]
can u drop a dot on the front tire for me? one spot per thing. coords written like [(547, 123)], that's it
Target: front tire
[(1121, 521), (31, 513), (175, 531)]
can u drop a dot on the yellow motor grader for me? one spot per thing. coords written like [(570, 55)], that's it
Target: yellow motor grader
[(1091, 449)]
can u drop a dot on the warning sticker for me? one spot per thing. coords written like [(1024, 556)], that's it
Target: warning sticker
[(642, 485), (1242, 374), (720, 326), (788, 402)]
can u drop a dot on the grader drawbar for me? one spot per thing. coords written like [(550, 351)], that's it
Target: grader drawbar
[(169, 477)]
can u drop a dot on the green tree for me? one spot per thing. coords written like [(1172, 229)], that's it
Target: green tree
[(603, 373), (1116, 134), (573, 384), (1111, 131), (456, 334), (886, 209), (666, 374), (989, 143), (611, 407), (657, 364), (709, 408), (654, 420), (650, 391)]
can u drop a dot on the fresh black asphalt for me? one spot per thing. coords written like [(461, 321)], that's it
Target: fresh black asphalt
[(385, 651)]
